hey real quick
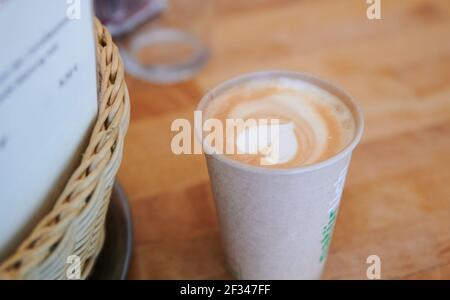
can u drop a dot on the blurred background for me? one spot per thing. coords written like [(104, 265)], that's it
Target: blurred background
[(396, 203)]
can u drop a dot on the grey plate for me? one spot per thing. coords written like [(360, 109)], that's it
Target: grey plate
[(114, 259)]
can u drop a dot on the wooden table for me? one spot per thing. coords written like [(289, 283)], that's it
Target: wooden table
[(396, 203)]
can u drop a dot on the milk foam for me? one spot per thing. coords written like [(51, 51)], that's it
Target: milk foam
[(276, 144), (313, 123)]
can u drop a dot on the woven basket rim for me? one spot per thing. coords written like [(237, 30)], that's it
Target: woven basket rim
[(108, 130)]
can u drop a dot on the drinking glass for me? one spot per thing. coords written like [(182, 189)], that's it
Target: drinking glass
[(168, 43)]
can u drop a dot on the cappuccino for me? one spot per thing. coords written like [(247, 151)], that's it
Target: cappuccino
[(306, 123), (277, 212)]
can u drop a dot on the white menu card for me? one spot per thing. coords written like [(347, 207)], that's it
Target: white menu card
[(48, 104)]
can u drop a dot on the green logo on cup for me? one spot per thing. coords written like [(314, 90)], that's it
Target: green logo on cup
[(326, 234)]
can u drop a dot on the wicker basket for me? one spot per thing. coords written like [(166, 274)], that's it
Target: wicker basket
[(75, 225)]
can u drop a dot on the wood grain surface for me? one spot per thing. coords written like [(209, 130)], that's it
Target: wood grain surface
[(396, 203)]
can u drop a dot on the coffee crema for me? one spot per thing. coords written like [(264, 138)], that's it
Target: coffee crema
[(313, 125)]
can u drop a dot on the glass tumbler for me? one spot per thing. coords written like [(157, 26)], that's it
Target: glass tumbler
[(172, 44)]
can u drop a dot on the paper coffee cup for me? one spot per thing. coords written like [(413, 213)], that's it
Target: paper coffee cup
[(278, 223)]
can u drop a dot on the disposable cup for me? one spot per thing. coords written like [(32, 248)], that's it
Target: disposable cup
[(278, 223)]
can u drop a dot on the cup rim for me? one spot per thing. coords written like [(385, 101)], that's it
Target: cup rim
[(328, 86)]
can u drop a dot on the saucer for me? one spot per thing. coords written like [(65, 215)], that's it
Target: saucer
[(114, 259)]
